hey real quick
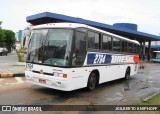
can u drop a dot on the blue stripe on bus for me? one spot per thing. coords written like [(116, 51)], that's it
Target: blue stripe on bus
[(93, 58), (101, 58)]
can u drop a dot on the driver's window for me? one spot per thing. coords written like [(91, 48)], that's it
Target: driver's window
[(79, 52)]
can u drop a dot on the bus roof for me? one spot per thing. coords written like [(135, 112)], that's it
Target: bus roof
[(77, 25)]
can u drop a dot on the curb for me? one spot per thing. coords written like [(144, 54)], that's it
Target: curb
[(6, 75)]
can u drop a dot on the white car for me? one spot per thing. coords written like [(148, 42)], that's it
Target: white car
[(3, 51)]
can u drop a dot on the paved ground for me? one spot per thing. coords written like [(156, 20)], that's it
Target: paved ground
[(9, 65), (16, 91)]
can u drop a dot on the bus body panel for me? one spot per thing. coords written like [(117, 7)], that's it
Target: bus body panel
[(77, 77)]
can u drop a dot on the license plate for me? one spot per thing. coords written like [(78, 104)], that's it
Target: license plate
[(42, 81)]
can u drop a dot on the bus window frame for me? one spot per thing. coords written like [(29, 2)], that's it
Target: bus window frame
[(73, 44)]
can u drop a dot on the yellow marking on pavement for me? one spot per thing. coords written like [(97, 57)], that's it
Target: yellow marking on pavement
[(5, 75)]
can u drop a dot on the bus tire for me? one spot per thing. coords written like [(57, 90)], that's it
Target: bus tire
[(92, 81), (127, 74)]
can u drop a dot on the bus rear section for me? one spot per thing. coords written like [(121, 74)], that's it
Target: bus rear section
[(73, 56)]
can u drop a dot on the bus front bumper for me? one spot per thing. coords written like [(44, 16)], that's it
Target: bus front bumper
[(48, 81)]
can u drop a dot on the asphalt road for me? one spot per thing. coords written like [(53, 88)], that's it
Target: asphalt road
[(11, 57), (17, 91)]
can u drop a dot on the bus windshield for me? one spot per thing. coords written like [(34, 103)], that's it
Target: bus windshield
[(50, 46), (156, 55)]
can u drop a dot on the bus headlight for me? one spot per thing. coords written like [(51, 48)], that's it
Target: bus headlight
[(59, 75)]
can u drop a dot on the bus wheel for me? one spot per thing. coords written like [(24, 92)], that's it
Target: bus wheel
[(127, 74), (92, 81)]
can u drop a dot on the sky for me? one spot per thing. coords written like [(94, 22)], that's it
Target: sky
[(144, 13)]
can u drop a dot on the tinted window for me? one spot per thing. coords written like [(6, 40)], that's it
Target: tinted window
[(105, 42), (130, 47), (124, 46), (109, 43), (80, 49), (93, 40), (116, 44), (136, 49), (96, 41)]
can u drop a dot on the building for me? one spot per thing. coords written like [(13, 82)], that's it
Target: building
[(23, 37), (26, 36)]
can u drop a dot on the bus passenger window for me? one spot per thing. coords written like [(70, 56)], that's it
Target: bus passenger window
[(124, 46), (96, 41), (137, 49), (110, 43), (134, 48), (105, 43), (93, 40), (116, 44), (130, 47)]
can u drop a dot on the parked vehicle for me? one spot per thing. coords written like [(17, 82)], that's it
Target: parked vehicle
[(69, 56), (155, 57), (3, 51)]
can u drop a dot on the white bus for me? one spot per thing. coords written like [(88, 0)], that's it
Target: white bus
[(69, 56)]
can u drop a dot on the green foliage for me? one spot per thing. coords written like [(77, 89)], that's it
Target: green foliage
[(21, 56), (2, 38), (9, 38), (0, 24)]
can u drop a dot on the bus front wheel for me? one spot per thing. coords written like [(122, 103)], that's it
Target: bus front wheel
[(92, 81)]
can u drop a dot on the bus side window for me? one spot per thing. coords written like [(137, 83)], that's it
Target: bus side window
[(79, 52), (110, 43), (105, 42), (135, 50), (130, 47), (124, 46), (93, 40), (116, 44)]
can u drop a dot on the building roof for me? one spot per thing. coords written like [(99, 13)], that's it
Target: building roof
[(47, 17)]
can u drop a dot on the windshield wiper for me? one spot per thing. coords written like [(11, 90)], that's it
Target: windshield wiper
[(39, 51)]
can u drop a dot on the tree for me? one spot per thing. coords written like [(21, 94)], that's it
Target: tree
[(2, 40), (2, 35), (0, 24), (9, 38)]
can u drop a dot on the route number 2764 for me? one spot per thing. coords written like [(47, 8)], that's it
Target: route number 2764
[(99, 59)]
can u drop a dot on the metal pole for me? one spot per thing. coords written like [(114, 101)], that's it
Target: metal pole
[(149, 50)]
